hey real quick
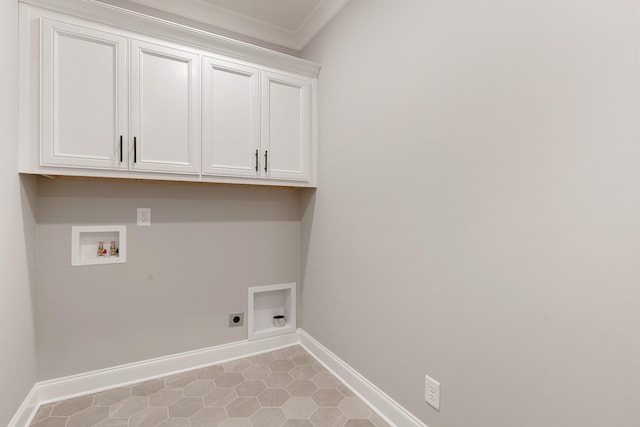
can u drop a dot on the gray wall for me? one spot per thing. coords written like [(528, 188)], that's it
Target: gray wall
[(477, 217), (17, 229), (207, 244)]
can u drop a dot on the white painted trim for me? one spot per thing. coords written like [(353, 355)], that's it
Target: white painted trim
[(387, 408), (92, 382), (140, 23), (225, 19), (27, 410), (250, 26), (316, 21)]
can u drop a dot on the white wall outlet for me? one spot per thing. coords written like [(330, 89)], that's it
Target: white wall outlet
[(432, 392), (144, 217)]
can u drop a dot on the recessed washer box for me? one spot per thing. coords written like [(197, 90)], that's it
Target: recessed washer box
[(266, 302), (85, 241)]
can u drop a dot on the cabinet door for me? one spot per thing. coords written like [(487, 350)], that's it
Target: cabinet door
[(84, 108), (231, 119), (285, 127), (165, 109)]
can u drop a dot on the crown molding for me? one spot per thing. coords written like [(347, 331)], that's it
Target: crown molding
[(125, 19), (251, 27), (316, 21)]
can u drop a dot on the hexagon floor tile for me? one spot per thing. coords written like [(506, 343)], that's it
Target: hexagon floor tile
[(286, 387)]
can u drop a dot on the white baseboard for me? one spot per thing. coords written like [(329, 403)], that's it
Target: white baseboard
[(26, 411), (387, 408), (93, 382)]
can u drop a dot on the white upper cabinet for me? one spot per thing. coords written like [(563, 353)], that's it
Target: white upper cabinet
[(165, 108), (105, 92), (285, 127), (230, 119), (250, 132), (84, 108)]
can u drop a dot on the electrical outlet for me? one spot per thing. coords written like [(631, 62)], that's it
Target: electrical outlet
[(144, 217), (432, 392), (236, 319)]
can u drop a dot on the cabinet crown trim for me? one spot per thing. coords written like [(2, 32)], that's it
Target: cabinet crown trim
[(156, 27)]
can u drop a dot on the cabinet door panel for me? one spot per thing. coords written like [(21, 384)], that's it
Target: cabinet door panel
[(231, 119), (83, 96), (165, 104), (285, 132)]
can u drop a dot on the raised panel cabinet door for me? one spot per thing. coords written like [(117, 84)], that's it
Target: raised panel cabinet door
[(165, 109), (230, 119), (285, 127), (84, 107)]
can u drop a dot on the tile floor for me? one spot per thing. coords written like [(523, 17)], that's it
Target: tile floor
[(283, 388)]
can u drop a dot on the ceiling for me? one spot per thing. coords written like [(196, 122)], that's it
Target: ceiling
[(288, 23)]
